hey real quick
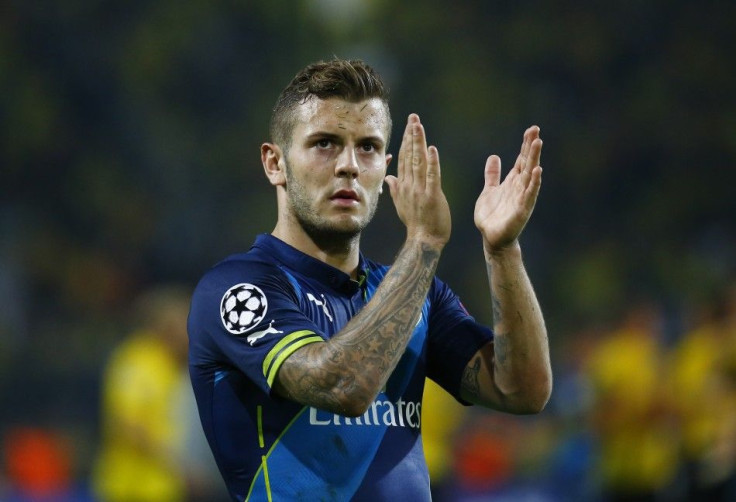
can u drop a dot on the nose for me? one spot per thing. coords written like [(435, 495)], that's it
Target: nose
[(347, 163)]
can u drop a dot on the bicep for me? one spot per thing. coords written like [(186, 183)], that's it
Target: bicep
[(303, 377), (326, 376)]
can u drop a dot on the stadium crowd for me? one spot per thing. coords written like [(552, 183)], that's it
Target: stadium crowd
[(129, 142)]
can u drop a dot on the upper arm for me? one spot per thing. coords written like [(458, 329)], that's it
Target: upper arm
[(248, 318), (315, 375), (477, 385), (474, 364), (523, 393)]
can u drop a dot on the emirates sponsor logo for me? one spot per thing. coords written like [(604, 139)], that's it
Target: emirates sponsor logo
[(382, 412)]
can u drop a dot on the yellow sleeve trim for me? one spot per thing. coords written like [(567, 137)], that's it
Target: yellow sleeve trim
[(287, 352), (281, 344), (284, 349)]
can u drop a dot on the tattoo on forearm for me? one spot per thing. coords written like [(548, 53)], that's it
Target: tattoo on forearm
[(470, 382), (496, 305), (370, 345), (500, 348)]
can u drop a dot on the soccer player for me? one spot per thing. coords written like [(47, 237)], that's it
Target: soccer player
[(307, 358)]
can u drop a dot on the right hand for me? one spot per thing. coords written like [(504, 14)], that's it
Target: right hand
[(417, 188)]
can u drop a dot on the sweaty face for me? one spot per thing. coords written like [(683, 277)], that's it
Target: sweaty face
[(335, 165)]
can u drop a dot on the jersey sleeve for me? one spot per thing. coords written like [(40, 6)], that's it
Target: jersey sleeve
[(454, 337), (247, 315)]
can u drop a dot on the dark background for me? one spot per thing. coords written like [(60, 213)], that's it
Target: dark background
[(129, 137)]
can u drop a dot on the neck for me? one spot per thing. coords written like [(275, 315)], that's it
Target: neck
[(338, 250)]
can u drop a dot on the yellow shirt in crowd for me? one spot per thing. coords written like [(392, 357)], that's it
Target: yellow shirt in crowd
[(141, 438)]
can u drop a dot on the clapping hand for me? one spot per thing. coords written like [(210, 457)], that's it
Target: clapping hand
[(503, 208)]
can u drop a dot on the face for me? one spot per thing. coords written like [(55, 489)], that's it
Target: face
[(335, 165)]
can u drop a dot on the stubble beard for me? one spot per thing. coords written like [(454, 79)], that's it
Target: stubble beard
[(325, 234)]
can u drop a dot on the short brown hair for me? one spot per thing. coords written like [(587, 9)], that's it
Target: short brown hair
[(351, 80)]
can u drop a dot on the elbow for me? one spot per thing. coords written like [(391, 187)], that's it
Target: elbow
[(351, 399), (533, 405), (353, 405), (533, 398)]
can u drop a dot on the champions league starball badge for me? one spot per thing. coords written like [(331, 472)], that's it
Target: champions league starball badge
[(242, 307)]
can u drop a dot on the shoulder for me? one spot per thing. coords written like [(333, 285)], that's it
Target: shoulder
[(243, 286), (240, 270)]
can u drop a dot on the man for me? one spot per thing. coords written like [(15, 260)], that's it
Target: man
[(308, 359), (140, 456)]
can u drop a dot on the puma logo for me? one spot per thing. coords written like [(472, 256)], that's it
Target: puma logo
[(260, 334), (320, 303)]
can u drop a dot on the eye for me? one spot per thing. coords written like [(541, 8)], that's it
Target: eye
[(368, 147), (323, 143)]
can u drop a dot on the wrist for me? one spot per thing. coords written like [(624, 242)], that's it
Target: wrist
[(426, 242), (495, 253)]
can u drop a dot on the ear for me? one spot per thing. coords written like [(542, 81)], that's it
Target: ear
[(274, 163), (388, 160)]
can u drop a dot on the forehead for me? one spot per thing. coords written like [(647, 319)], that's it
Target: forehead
[(337, 116)]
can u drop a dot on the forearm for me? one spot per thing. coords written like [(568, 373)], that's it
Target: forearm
[(521, 365), (344, 374)]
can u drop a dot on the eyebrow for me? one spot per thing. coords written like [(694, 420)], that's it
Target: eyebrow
[(336, 137)]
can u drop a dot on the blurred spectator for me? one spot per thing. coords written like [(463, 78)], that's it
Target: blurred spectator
[(439, 431), (96, 99), (572, 461), (631, 414), (704, 375), (484, 455), (146, 413), (38, 465)]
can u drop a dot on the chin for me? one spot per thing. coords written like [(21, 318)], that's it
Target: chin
[(334, 230)]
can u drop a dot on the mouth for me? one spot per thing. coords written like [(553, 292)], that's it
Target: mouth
[(345, 197)]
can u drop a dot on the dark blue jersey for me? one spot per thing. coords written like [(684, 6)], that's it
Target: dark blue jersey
[(252, 311)]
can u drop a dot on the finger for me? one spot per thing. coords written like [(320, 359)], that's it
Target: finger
[(530, 135), (404, 151), (433, 169), (530, 163), (535, 154), (532, 190), (419, 155), (492, 172), (524, 177), (518, 165)]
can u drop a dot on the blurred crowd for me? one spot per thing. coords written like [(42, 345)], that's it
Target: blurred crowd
[(149, 446), (129, 140), (642, 410)]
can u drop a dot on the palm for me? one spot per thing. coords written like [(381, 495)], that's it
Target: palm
[(503, 208)]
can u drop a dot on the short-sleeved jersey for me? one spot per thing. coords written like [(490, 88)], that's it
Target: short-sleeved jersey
[(251, 312)]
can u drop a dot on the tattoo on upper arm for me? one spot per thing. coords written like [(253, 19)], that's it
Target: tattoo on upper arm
[(470, 382)]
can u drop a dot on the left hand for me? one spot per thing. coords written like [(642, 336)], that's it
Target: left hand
[(503, 208)]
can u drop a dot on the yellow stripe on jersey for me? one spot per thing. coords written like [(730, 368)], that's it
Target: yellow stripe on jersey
[(259, 411), (286, 346), (265, 477), (264, 459)]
